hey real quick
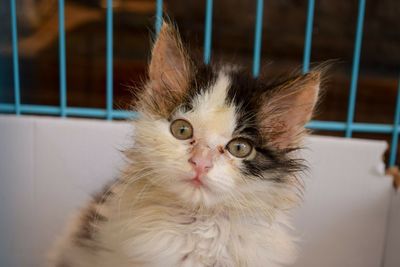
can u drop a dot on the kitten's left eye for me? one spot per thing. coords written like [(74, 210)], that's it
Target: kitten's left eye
[(181, 129), (240, 147)]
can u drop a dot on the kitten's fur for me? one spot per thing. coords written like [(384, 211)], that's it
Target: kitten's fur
[(154, 216)]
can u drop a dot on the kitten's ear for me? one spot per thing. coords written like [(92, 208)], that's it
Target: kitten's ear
[(287, 109), (170, 66)]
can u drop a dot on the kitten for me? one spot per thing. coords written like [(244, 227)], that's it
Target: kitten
[(211, 175)]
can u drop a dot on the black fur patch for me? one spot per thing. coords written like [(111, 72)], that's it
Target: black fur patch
[(276, 163), (246, 93), (86, 235), (63, 263), (102, 196), (201, 81), (91, 219)]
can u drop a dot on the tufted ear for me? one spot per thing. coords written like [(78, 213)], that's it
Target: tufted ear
[(287, 108), (169, 68), (169, 74)]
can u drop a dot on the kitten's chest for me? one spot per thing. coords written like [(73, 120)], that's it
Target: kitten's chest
[(208, 239), (194, 241), (202, 242)]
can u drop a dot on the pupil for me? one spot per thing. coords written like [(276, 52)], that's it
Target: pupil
[(182, 130)]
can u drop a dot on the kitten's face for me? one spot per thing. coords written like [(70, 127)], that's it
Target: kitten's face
[(211, 134), (190, 148)]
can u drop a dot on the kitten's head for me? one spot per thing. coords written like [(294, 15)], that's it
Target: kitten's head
[(213, 134)]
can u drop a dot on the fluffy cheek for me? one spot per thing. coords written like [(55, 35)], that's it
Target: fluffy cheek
[(222, 178), (159, 152)]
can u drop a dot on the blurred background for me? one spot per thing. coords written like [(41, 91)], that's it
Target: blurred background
[(233, 39)]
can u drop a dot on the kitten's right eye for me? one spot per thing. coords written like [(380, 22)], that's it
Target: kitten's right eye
[(181, 129), (240, 147)]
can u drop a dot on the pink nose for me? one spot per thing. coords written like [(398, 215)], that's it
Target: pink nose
[(201, 160)]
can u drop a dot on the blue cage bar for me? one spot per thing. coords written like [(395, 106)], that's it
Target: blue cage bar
[(14, 33), (208, 31), (356, 65), (63, 110), (109, 59), (308, 36), (258, 38), (63, 59)]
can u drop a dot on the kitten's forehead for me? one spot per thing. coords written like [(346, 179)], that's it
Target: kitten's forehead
[(212, 115), (214, 97)]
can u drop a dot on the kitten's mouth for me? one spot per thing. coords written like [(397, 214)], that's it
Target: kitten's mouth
[(196, 181)]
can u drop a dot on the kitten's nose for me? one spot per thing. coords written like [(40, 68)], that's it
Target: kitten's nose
[(201, 160)]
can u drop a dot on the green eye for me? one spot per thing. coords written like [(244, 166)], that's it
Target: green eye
[(240, 147), (181, 129)]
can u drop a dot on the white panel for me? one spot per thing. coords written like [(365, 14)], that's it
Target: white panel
[(50, 166), (392, 255), (16, 191), (74, 158), (344, 216)]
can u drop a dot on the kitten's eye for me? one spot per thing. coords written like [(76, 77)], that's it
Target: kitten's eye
[(240, 147), (181, 129)]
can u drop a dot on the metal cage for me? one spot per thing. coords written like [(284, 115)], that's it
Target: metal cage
[(348, 126)]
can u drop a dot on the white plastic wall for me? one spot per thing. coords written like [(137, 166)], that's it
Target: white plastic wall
[(50, 166), (392, 251)]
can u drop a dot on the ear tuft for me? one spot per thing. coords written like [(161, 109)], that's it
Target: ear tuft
[(288, 108), (170, 64), (169, 72)]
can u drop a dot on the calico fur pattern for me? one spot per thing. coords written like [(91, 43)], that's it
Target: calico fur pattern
[(152, 216)]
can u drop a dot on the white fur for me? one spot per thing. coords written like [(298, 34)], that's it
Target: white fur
[(157, 218)]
